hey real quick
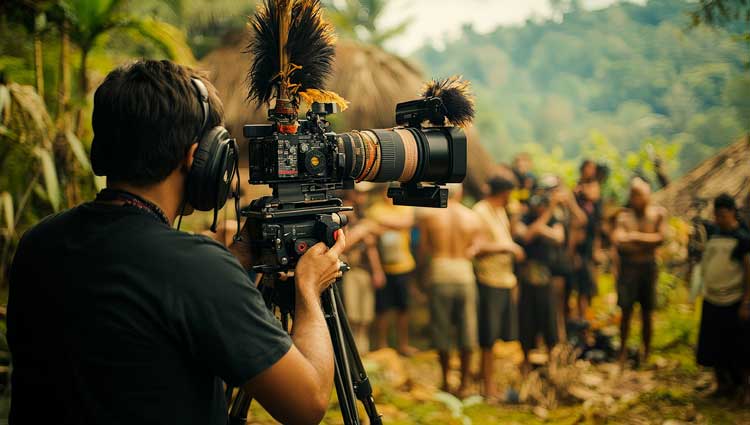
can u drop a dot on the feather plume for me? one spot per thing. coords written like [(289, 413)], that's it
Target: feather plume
[(458, 101), (311, 96), (293, 51)]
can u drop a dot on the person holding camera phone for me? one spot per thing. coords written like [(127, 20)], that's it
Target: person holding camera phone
[(115, 317), (541, 234)]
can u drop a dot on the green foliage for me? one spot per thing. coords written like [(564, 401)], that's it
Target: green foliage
[(722, 13), (42, 154), (205, 23), (359, 19), (624, 75)]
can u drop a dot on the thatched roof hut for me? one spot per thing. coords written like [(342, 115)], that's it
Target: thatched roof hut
[(727, 171), (372, 79)]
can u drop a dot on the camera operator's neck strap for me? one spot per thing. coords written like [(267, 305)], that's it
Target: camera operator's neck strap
[(132, 200)]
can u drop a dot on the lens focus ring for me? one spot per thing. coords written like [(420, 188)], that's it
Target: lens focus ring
[(391, 151)]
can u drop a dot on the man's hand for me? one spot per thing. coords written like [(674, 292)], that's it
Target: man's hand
[(297, 388), (378, 280), (241, 248), (319, 267)]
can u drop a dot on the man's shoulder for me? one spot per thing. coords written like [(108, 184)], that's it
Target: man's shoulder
[(658, 210), (50, 222), (196, 249), (466, 212), (482, 207)]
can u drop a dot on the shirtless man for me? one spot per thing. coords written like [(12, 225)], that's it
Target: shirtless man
[(639, 230), (446, 241)]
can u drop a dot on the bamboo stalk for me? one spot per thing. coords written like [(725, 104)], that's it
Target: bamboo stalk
[(63, 95), (38, 64)]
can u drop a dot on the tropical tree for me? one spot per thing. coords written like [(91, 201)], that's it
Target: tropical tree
[(90, 20), (724, 13), (359, 20), (44, 162), (33, 15)]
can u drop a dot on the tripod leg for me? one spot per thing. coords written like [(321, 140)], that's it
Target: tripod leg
[(239, 408), (362, 387), (344, 385)]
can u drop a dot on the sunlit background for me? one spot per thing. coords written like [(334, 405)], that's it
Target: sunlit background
[(623, 83)]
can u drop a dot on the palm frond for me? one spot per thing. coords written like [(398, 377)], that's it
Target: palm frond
[(168, 38), (49, 173), (6, 207), (79, 152), (28, 114)]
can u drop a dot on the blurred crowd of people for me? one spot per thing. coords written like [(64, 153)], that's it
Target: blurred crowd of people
[(504, 269), (522, 265)]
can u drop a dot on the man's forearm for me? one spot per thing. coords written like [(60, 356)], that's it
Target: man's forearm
[(396, 222), (311, 337), (241, 250), (496, 248), (538, 226), (643, 238)]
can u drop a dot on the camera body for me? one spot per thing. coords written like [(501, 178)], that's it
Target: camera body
[(308, 158)]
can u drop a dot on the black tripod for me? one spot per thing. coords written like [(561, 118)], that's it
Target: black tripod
[(350, 378)]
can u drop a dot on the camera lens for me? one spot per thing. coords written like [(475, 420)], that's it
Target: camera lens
[(404, 154)]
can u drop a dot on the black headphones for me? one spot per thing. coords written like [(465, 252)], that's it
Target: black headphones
[(215, 163)]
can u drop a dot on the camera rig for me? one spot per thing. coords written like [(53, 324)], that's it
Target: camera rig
[(306, 164)]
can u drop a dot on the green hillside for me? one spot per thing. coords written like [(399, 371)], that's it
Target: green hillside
[(624, 76)]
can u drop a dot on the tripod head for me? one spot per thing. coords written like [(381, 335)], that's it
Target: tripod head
[(283, 227)]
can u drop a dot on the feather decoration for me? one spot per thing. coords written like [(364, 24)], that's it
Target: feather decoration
[(311, 96), (293, 50), (455, 92)]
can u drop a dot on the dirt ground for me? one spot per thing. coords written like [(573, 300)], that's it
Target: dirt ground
[(669, 390)]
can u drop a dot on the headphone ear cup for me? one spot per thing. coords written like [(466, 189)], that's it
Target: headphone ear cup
[(206, 189)]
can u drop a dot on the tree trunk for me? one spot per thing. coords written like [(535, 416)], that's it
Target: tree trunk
[(66, 168), (83, 79), (63, 94), (38, 63)]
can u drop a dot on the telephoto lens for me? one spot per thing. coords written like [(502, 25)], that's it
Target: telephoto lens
[(404, 154)]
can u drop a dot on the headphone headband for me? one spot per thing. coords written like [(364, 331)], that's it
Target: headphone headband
[(200, 88)]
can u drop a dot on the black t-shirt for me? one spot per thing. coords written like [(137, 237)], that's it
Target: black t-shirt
[(539, 248), (115, 318)]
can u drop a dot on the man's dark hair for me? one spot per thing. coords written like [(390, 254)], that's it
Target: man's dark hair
[(499, 184), (146, 116), (725, 201)]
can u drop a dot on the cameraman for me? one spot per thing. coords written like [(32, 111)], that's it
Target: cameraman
[(114, 317)]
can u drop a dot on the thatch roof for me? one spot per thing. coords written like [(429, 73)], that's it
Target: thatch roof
[(371, 79), (727, 171)]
